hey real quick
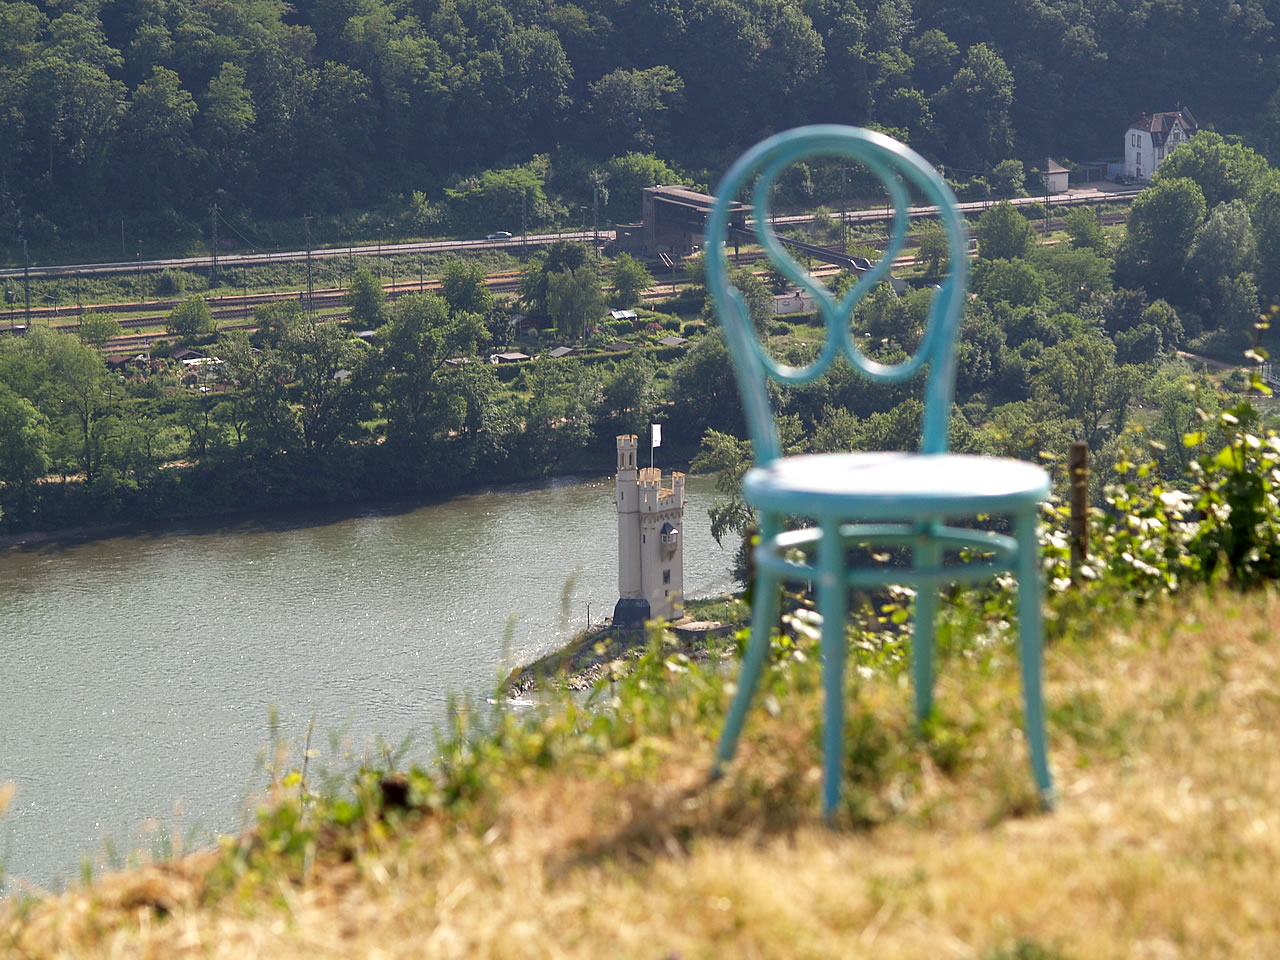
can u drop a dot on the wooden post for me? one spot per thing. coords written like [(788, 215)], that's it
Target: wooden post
[(1078, 473)]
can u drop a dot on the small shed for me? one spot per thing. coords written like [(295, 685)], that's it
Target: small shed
[(509, 357), (522, 324), (1054, 176), (623, 314), (619, 346), (559, 352), (794, 301), (672, 341)]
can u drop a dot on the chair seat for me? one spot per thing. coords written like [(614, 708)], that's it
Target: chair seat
[(894, 485)]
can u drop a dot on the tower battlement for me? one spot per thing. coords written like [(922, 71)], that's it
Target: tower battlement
[(654, 497), (628, 447)]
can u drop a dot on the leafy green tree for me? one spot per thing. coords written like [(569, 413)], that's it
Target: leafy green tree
[(1072, 276), (162, 116), (1085, 231), (1015, 282), (631, 105), (499, 198), (1224, 246), (1160, 229), (703, 391), (729, 458), (228, 103), (79, 398), (328, 387), (632, 396), (564, 400), (630, 279), (559, 256), (97, 328), (191, 318), (1008, 179), (1223, 170), (628, 175), (24, 442), (257, 412), (75, 109), (196, 414), (974, 108), (934, 251), (366, 300), (759, 298), (1082, 375), (574, 299), (419, 388), (1024, 429), (275, 319), (1265, 217), (1003, 233), (1236, 304), (980, 353), (464, 288)]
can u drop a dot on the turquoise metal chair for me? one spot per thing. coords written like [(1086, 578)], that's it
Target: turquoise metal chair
[(882, 499)]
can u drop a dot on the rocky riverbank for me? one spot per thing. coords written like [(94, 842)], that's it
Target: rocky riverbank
[(603, 650)]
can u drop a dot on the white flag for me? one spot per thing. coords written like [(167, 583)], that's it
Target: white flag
[(657, 435)]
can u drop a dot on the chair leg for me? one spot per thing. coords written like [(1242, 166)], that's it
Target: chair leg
[(764, 614), (833, 603), (927, 555), (1031, 642)]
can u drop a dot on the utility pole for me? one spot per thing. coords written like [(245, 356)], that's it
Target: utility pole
[(595, 242), (26, 282), (524, 214), (306, 226), (213, 216), (844, 210)]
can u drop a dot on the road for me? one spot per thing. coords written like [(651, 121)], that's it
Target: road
[(237, 260)]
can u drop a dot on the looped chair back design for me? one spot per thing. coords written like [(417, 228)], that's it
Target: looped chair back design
[(875, 498)]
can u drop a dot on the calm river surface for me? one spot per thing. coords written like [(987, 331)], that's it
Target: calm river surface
[(137, 673)]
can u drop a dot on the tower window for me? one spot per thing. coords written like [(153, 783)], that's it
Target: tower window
[(666, 576)]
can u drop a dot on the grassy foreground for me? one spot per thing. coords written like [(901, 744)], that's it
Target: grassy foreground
[(593, 833)]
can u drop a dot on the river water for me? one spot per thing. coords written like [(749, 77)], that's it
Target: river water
[(138, 673)]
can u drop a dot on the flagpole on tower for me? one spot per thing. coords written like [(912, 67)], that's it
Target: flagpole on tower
[(655, 440)]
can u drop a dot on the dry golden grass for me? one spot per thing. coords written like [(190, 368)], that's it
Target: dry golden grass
[(1165, 843)]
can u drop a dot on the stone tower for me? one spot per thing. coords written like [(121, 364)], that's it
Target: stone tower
[(650, 541)]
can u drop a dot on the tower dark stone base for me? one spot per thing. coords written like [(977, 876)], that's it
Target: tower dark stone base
[(631, 612)]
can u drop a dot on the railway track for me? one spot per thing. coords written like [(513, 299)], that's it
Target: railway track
[(229, 306), (233, 312)]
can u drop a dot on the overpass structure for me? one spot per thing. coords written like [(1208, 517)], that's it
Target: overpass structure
[(675, 221)]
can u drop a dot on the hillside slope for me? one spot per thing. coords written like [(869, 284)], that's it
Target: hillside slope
[(583, 833)]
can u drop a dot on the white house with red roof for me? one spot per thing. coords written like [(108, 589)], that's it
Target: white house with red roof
[(1154, 136)]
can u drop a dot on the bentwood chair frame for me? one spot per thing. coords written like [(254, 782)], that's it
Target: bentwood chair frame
[(878, 499)]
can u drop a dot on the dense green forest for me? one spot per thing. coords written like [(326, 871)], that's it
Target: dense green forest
[(470, 115)]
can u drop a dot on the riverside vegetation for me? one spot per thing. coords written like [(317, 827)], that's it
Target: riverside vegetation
[(586, 829), (1078, 339)]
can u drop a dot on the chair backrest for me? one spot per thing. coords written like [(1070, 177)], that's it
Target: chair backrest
[(893, 163)]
